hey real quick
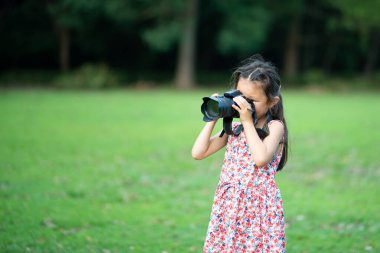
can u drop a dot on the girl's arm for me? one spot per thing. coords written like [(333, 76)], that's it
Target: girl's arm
[(205, 145), (263, 150)]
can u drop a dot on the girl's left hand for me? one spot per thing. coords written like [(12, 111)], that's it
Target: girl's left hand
[(244, 109)]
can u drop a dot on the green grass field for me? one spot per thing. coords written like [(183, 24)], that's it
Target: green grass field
[(112, 172)]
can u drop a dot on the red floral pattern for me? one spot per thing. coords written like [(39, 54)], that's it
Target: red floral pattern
[(247, 213)]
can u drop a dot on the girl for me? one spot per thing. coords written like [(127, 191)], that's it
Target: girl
[(247, 213)]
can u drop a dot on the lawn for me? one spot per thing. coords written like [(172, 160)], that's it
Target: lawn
[(112, 172)]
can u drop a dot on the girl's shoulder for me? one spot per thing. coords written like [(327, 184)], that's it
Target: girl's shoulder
[(278, 127), (277, 122)]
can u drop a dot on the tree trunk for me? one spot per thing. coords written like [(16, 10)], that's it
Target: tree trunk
[(186, 56), (64, 48), (372, 55), (291, 49)]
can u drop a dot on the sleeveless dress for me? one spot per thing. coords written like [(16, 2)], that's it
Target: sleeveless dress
[(247, 213)]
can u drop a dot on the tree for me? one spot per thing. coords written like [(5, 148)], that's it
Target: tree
[(167, 24), (289, 15), (176, 24), (186, 55), (69, 16), (362, 17)]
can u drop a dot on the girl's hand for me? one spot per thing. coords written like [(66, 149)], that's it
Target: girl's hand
[(244, 109)]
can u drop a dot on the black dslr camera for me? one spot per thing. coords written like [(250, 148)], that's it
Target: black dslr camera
[(215, 107)]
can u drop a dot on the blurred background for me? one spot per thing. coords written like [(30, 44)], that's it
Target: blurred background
[(100, 106), (186, 43)]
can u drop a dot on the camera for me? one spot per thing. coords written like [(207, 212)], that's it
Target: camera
[(215, 107)]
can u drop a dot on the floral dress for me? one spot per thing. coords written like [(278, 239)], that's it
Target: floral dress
[(247, 213)]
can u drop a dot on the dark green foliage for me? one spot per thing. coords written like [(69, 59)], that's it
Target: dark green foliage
[(88, 76), (245, 26), (334, 37)]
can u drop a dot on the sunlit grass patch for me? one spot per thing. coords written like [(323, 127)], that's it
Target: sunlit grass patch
[(112, 172)]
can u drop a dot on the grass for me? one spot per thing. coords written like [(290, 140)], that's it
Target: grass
[(112, 172)]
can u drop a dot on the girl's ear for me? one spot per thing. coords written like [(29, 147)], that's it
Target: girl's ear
[(274, 101)]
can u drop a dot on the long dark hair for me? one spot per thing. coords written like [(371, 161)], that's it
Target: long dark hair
[(255, 68)]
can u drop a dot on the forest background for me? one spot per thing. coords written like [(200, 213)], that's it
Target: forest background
[(186, 43)]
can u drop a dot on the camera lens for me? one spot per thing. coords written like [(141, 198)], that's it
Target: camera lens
[(212, 108)]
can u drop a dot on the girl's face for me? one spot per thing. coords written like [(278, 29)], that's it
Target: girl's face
[(253, 90)]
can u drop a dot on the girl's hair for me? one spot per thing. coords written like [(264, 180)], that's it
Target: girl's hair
[(256, 68)]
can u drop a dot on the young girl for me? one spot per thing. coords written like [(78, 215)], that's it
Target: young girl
[(247, 213)]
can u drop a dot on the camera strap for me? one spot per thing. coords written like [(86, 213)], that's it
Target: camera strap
[(227, 127)]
